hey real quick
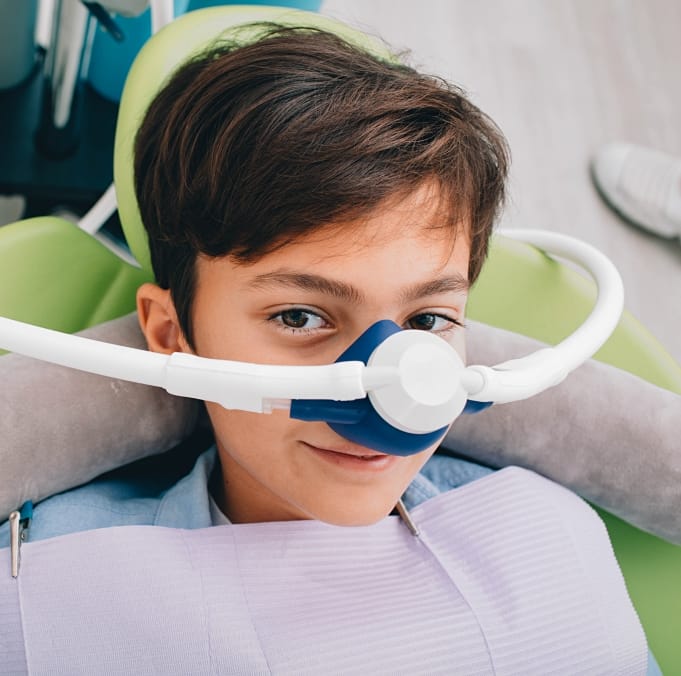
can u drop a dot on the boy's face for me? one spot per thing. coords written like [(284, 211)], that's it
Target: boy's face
[(305, 304)]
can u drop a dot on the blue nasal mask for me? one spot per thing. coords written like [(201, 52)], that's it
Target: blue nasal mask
[(359, 421), (393, 390)]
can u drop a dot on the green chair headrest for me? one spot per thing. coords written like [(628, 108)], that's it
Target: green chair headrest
[(185, 37)]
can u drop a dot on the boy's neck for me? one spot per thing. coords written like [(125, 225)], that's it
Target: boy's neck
[(243, 500)]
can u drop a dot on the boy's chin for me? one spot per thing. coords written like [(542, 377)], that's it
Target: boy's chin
[(356, 518)]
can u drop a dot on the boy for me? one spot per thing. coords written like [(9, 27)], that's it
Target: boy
[(296, 190), (276, 220)]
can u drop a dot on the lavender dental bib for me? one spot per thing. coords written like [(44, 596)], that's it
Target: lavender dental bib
[(510, 574)]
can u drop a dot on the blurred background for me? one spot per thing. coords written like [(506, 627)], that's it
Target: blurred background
[(560, 78)]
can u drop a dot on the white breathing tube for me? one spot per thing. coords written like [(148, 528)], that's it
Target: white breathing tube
[(522, 378), (408, 363)]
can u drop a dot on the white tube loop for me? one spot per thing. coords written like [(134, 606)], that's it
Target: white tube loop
[(84, 354), (525, 377), (232, 384), (252, 387), (414, 379)]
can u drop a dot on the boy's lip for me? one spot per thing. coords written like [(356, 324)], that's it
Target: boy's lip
[(356, 451), (355, 458)]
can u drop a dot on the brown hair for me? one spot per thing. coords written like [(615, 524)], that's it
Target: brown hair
[(249, 147)]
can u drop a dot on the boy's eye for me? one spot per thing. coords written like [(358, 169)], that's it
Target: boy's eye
[(297, 319), (430, 321)]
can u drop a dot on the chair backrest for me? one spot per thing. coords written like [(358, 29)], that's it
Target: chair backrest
[(55, 275), (58, 276)]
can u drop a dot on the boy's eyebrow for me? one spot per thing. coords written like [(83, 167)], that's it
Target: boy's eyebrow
[(456, 283), (346, 292), (308, 282)]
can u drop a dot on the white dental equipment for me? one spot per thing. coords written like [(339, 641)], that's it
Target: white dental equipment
[(414, 381)]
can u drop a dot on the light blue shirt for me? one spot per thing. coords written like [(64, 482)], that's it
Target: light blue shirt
[(185, 503)]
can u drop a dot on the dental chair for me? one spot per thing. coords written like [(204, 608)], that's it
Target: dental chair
[(55, 274)]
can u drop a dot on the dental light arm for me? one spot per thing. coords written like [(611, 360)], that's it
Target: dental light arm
[(404, 386)]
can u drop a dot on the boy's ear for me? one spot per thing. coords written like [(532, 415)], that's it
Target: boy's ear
[(158, 320)]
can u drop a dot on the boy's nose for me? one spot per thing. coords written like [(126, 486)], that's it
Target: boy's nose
[(411, 410)]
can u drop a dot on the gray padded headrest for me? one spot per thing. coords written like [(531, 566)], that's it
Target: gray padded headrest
[(609, 436)]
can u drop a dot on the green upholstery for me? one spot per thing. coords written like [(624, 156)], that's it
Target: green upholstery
[(55, 275)]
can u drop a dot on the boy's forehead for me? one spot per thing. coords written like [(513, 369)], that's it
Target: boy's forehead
[(363, 245), (408, 265), (409, 237), (421, 219)]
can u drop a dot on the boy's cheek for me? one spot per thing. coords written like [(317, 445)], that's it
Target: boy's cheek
[(458, 342)]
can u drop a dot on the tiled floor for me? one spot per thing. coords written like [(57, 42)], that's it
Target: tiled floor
[(560, 78)]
